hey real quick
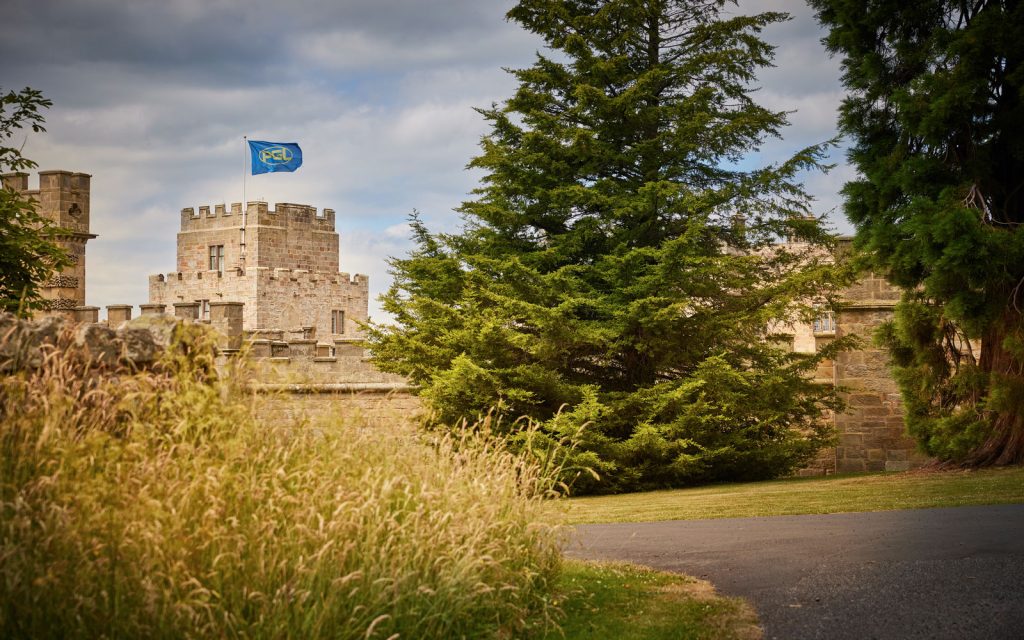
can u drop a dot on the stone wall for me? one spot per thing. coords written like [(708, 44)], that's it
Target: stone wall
[(288, 299), (138, 344), (350, 365), (391, 410), (871, 433), (275, 299), (207, 227), (66, 289), (293, 236), (191, 286), (359, 392)]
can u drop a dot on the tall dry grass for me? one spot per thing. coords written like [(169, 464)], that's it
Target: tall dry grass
[(156, 504)]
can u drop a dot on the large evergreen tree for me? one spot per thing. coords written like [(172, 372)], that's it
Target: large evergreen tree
[(615, 279), (936, 115)]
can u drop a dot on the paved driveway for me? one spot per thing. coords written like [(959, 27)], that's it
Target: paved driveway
[(931, 573)]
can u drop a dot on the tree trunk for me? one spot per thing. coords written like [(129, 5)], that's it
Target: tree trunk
[(1005, 444)]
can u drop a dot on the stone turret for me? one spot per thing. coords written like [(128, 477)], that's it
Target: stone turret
[(63, 197)]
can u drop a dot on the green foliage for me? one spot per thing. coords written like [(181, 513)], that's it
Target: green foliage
[(937, 120), (617, 280), (935, 367), (159, 505), (29, 253)]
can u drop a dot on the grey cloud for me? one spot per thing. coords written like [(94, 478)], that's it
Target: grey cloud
[(152, 98), (239, 43), (151, 35)]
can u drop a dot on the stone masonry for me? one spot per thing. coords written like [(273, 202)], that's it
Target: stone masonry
[(62, 197), (283, 268), (871, 432)]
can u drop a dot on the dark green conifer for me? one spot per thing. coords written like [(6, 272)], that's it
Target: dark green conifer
[(936, 115), (615, 270)]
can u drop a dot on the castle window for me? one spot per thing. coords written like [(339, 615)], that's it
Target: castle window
[(216, 257), (337, 321), (204, 309), (825, 323)]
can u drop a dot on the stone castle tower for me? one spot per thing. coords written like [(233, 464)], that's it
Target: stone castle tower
[(281, 264), (62, 197)]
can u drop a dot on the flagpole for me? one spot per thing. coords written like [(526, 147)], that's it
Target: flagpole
[(245, 205)]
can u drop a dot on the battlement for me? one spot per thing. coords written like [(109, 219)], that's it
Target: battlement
[(284, 214), (62, 197), (49, 181), (312, 277), (301, 276), (275, 298)]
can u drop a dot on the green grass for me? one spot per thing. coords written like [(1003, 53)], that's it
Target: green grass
[(628, 602), (833, 494)]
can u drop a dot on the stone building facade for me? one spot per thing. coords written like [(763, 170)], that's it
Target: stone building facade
[(281, 264), (871, 433), (62, 197)]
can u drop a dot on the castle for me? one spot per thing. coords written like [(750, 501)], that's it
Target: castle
[(280, 263), (270, 278)]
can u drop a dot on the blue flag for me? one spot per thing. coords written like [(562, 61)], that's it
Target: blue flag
[(269, 157)]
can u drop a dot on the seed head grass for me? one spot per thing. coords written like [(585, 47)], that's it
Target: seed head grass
[(161, 504)]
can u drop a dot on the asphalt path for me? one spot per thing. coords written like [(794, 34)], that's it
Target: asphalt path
[(954, 573)]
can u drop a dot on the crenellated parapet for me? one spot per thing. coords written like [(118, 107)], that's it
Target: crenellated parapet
[(289, 236), (62, 196), (284, 214), (275, 299), (357, 280)]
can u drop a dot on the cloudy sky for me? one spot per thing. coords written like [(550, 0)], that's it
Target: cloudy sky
[(152, 97)]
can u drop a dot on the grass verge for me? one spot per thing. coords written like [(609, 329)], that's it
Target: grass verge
[(626, 602), (795, 496)]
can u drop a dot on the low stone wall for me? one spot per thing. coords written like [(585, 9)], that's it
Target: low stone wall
[(361, 393), (372, 406), (138, 343), (354, 368), (292, 377)]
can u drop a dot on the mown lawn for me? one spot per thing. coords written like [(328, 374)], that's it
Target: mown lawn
[(627, 602), (793, 496)]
